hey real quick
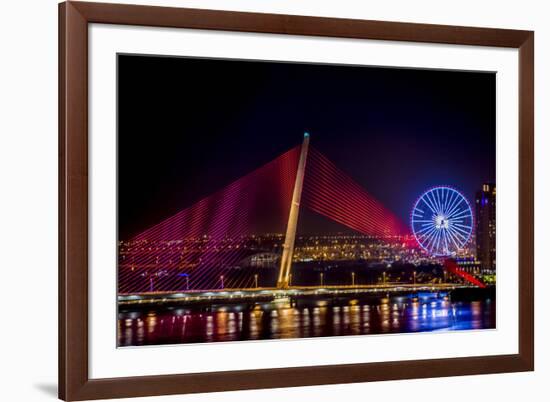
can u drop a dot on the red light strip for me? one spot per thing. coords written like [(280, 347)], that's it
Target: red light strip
[(453, 268)]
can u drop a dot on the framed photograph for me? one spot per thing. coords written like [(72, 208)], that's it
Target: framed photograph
[(259, 200)]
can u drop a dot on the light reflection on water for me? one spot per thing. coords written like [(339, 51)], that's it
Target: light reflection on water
[(307, 319)]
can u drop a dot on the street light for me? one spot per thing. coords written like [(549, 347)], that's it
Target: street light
[(321, 275), (414, 277), (221, 279), (186, 280), (353, 279), (256, 281)]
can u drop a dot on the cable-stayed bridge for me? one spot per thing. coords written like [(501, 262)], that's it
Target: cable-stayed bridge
[(219, 243)]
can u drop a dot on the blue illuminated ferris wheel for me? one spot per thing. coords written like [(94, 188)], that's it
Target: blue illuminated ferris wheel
[(442, 221)]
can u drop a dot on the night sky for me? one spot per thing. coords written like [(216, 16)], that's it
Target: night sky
[(188, 127)]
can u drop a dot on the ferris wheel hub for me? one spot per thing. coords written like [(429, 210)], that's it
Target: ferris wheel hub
[(441, 222)]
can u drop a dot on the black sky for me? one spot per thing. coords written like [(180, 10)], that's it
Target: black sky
[(187, 127)]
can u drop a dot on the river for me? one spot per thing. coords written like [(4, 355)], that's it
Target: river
[(304, 318)]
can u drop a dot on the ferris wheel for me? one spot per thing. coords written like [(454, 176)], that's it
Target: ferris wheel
[(442, 221)]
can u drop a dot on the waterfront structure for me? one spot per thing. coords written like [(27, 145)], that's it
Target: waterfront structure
[(469, 265), (486, 227)]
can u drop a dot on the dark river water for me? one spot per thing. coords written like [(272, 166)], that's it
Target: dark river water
[(303, 319)]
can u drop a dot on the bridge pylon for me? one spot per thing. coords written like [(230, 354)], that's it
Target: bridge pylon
[(290, 236)]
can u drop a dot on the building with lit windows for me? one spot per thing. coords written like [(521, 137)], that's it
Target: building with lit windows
[(486, 227)]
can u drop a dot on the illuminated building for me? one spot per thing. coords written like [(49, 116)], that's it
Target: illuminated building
[(486, 227)]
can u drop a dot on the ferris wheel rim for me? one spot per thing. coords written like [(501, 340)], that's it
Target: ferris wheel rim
[(466, 235)]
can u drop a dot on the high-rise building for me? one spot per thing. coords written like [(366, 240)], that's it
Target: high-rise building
[(486, 231)]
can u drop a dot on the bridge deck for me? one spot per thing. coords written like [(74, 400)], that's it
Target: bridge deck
[(264, 294)]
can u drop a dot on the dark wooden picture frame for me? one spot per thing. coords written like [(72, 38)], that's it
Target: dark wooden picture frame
[(74, 381)]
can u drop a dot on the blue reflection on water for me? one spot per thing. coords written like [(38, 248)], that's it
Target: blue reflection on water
[(302, 319)]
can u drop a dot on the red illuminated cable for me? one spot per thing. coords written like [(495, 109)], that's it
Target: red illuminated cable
[(332, 193), (453, 267), (167, 230)]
